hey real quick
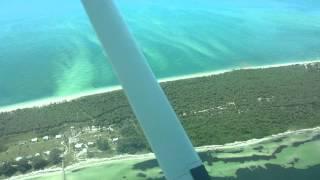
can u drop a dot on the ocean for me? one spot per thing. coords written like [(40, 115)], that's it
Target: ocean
[(49, 49)]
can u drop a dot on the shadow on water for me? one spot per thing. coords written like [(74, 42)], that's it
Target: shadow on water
[(145, 165), (275, 172), (208, 157), (271, 172), (314, 138)]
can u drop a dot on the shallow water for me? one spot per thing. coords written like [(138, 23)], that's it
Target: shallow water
[(49, 49)]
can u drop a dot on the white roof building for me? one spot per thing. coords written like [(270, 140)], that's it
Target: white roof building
[(94, 129), (73, 140), (37, 154), (110, 129), (87, 129), (34, 140), (115, 140), (90, 143), (58, 136), (78, 146), (47, 153), (45, 138), (19, 158), (231, 103)]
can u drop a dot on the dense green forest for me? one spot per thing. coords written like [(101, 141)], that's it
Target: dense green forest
[(232, 106)]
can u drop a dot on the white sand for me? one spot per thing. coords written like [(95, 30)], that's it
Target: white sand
[(53, 100)]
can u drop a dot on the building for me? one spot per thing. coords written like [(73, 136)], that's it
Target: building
[(73, 140), (94, 129), (86, 129), (58, 136), (110, 129), (47, 153), (78, 145), (45, 138), (19, 158), (34, 140), (90, 143), (231, 103), (114, 140)]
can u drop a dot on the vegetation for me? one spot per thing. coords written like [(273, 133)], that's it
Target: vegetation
[(3, 148), (103, 144), (8, 169), (55, 156), (39, 163), (233, 106), (131, 145), (132, 139), (23, 166)]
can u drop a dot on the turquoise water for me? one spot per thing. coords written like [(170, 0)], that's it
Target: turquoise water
[(48, 48)]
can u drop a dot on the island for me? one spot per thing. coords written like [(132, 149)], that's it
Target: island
[(238, 120)]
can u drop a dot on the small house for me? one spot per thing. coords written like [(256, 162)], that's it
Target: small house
[(45, 138), (114, 140), (110, 129), (19, 158), (94, 129), (90, 143), (78, 145)]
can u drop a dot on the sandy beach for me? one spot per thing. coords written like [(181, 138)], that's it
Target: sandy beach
[(53, 100)]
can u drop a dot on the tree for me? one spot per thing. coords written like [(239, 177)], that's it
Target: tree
[(8, 169), (39, 163), (131, 145), (103, 144), (23, 166), (90, 154), (54, 156)]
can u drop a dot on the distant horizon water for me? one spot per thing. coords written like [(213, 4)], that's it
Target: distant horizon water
[(48, 50)]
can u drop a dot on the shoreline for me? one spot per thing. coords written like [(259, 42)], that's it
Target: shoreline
[(126, 157), (57, 100)]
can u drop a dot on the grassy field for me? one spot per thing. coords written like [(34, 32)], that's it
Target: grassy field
[(21, 146)]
